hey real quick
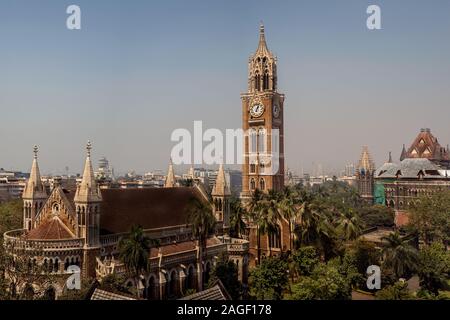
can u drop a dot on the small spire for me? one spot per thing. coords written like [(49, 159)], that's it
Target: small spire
[(390, 157), (170, 179), (88, 148), (403, 155), (34, 188), (87, 190), (221, 187), (262, 45)]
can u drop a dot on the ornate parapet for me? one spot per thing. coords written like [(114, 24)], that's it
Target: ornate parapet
[(14, 241), (236, 246)]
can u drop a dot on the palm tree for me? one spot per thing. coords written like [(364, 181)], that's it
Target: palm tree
[(289, 208), (237, 219), (134, 251), (348, 225), (399, 254), (308, 215), (254, 216), (202, 221), (269, 215), (314, 227)]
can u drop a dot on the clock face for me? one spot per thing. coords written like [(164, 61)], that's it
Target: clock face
[(276, 111), (257, 110)]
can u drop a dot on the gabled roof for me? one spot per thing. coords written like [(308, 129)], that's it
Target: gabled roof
[(149, 207), (426, 145), (216, 292), (107, 295)]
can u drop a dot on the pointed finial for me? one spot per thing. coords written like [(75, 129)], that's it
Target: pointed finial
[(261, 26), (35, 151), (390, 157), (88, 148)]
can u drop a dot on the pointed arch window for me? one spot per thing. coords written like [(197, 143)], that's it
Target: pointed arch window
[(253, 140), (252, 184), (266, 80), (261, 140), (262, 184), (257, 81)]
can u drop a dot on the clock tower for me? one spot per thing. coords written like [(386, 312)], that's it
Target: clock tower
[(262, 115)]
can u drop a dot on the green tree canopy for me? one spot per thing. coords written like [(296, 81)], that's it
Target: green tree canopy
[(397, 291), (434, 267), (226, 271), (305, 259), (430, 217), (269, 279), (325, 283)]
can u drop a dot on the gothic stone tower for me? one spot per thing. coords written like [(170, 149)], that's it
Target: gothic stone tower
[(365, 175), (34, 194), (87, 203), (262, 115), (221, 199)]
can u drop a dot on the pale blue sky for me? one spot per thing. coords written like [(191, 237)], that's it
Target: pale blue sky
[(140, 69)]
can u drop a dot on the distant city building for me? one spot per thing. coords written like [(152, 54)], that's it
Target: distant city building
[(104, 172), (12, 184)]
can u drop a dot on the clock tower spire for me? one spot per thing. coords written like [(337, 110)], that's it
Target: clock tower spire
[(262, 114)]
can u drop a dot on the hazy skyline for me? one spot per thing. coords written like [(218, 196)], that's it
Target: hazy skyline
[(140, 69)]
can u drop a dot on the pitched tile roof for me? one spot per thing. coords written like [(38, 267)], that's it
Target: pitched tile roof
[(106, 295), (150, 208), (51, 229), (181, 246), (216, 292)]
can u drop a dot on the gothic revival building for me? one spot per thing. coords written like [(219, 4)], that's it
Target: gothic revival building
[(423, 169), (83, 226), (262, 115), (364, 175)]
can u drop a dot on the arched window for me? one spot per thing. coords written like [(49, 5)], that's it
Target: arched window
[(253, 141), (257, 81), (262, 184), (261, 140), (55, 209), (275, 238), (190, 280), (50, 294), (56, 266), (252, 168), (173, 283), (50, 266), (266, 80), (206, 272), (252, 184), (151, 290)]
